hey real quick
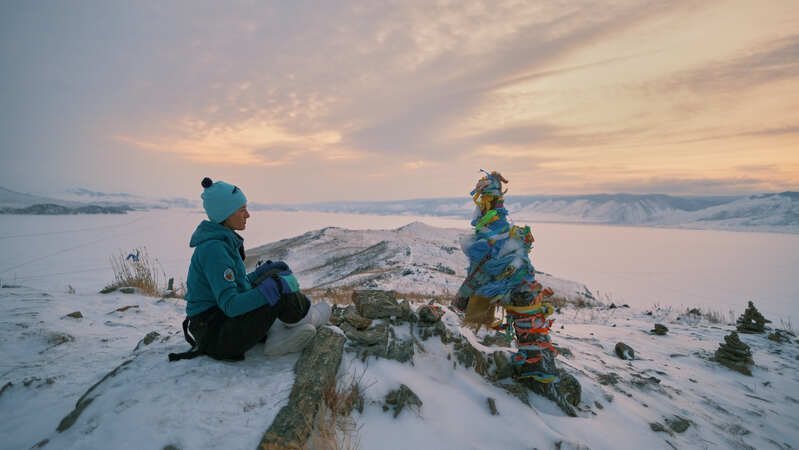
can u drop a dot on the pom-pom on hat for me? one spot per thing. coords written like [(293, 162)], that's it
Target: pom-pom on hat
[(221, 199)]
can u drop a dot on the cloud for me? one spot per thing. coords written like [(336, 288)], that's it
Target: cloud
[(250, 143), (556, 93)]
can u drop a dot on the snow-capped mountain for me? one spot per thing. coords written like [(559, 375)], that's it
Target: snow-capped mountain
[(766, 212)]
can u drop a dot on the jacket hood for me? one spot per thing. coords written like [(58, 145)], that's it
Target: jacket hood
[(210, 231)]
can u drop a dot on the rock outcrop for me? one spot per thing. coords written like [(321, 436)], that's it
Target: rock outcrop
[(316, 371)]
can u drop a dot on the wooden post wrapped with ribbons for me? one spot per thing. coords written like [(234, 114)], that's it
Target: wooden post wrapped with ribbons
[(501, 276)]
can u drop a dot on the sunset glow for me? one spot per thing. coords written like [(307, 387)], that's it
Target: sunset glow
[(372, 101)]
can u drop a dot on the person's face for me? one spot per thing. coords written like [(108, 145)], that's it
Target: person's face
[(238, 220)]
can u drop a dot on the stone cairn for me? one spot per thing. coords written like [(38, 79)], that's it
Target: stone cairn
[(734, 354), (751, 321)]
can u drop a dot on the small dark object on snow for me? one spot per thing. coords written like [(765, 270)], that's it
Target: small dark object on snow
[(780, 336), (734, 354), (503, 366), (124, 308), (751, 321), (147, 339), (492, 406), (75, 315), (400, 398), (498, 339), (624, 351), (609, 378), (430, 313), (678, 424), (660, 329), (127, 290), (657, 427)]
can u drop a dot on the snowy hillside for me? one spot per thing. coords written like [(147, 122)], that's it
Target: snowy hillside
[(767, 212), (416, 258), (112, 362)]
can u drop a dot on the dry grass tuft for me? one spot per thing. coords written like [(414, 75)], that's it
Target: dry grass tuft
[(143, 272), (335, 428), (343, 296), (711, 316)]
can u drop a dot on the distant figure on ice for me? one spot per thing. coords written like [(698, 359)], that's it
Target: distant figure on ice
[(228, 310)]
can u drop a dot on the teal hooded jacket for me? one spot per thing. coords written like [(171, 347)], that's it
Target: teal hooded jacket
[(217, 276)]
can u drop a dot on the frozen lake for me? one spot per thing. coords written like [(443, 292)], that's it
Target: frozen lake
[(716, 270)]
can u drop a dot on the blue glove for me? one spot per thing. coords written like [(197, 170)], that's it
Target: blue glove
[(269, 265), (270, 289)]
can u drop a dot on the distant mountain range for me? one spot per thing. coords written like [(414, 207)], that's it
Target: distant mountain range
[(764, 212), (74, 201)]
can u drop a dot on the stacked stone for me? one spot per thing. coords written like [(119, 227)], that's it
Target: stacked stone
[(734, 354), (751, 321)]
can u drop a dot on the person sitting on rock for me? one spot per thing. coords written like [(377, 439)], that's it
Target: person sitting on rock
[(228, 310)]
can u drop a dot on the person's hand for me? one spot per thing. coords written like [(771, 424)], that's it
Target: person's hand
[(278, 266), (270, 289)]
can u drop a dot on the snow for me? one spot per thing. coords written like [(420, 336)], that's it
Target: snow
[(202, 403), (150, 403)]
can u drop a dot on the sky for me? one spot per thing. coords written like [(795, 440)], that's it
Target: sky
[(308, 101)]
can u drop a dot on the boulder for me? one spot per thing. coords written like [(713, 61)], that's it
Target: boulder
[(678, 424), (660, 329), (352, 317), (398, 399), (375, 304), (624, 351), (430, 313), (375, 335)]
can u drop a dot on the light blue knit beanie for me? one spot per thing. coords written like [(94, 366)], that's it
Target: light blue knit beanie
[(221, 199)]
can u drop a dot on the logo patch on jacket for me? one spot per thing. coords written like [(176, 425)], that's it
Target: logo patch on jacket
[(229, 274)]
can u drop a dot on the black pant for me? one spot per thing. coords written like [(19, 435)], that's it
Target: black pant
[(227, 338)]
